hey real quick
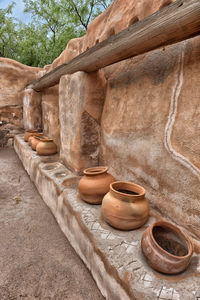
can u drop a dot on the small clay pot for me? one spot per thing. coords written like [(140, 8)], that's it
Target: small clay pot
[(95, 184), (166, 248), (29, 133), (124, 206), (32, 138), (46, 146)]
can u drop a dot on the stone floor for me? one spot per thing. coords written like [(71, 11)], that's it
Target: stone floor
[(36, 259), (114, 257)]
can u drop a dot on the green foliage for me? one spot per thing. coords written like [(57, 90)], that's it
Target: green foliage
[(53, 24), (8, 38)]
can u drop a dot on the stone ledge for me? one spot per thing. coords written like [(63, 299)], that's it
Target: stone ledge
[(114, 257)]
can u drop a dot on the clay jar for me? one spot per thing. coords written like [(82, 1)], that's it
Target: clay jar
[(29, 133), (166, 248), (33, 137), (95, 184), (34, 140), (46, 146), (125, 206)]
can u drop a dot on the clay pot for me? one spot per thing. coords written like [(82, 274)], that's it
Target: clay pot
[(29, 133), (46, 146), (125, 206), (33, 138), (95, 184), (166, 248)]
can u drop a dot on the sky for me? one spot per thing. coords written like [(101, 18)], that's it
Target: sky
[(18, 10)]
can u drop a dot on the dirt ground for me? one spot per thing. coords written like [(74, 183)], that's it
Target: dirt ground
[(36, 259)]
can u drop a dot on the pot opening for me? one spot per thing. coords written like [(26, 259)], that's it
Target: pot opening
[(127, 188), (128, 192), (95, 170), (170, 241), (45, 139)]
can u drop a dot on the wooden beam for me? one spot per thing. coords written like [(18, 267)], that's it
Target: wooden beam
[(171, 24)]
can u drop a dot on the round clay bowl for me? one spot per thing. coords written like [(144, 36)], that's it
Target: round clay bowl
[(28, 133), (95, 184), (166, 248), (125, 206), (46, 146)]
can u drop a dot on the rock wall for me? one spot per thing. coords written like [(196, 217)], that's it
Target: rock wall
[(13, 78)]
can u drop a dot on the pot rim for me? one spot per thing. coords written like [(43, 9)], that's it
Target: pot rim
[(130, 186), (95, 170), (45, 139), (36, 135), (178, 232)]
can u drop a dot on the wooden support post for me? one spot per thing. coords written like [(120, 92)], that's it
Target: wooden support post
[(173, 23)]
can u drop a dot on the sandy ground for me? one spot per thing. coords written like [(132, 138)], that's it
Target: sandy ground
[(36, 259)]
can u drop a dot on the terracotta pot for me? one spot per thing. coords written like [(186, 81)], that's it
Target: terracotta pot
[(29, 133), (95, 184), (125, 206), (32, 138), (166, 248), (46, 146)]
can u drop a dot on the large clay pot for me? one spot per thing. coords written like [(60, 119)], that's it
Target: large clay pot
[(46, 146), (29, 133), (166, 248), (95, 184), (125, 206)]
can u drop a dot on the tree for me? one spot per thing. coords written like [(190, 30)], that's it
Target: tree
[(82, 12), (8, 38)]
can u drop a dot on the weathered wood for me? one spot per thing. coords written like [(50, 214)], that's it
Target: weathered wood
[(174, 23)]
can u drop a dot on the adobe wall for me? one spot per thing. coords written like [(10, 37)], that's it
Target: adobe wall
[(150, 128), (13, 78)]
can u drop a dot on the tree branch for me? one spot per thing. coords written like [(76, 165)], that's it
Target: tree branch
[(79, 16)]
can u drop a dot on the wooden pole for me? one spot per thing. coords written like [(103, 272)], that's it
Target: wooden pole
[(173, 23)]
